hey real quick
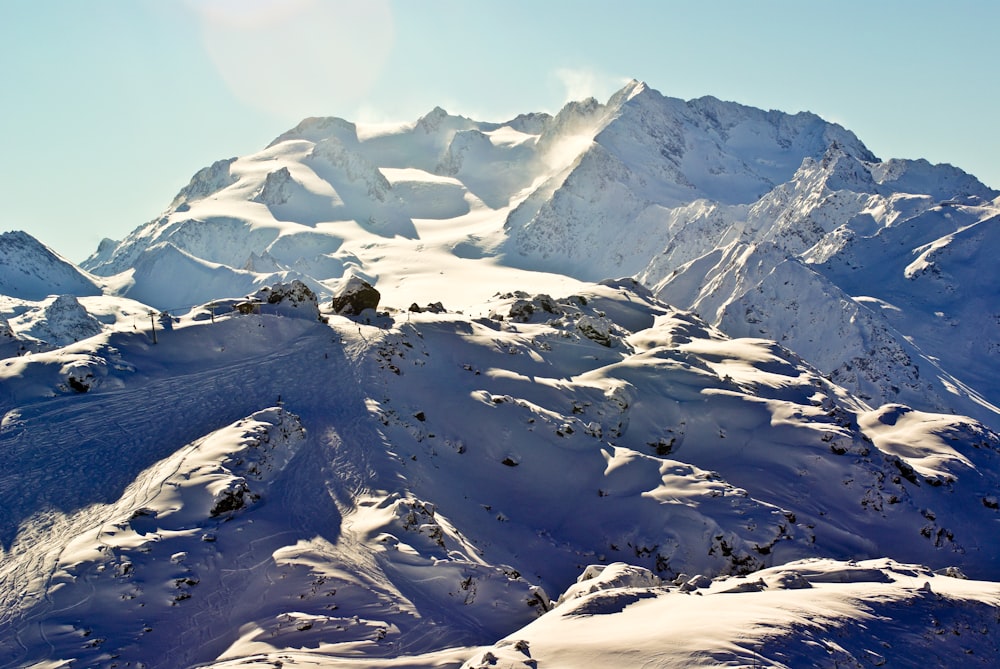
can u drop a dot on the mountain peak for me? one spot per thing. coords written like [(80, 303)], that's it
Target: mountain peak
[(29, 270), (438, 117), (633, 88), (315, 129)]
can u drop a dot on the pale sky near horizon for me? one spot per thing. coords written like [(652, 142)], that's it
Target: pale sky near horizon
[(109, 106)]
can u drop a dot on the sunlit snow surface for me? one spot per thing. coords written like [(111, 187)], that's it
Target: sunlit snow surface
[(767, 224), (395, 494), (812, 613), (525, 468)]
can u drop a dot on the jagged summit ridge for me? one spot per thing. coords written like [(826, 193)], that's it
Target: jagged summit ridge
[(642, 185)]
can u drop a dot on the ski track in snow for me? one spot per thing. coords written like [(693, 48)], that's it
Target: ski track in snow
[(57, 457), (58, 449), (106, 425)]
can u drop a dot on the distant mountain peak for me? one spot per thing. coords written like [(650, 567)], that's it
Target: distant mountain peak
[(438, 119), (316, 128), (206, 181), (32, 271), (642, 184), (633, 88)]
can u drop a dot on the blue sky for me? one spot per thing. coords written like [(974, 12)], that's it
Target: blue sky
[(109, 106)]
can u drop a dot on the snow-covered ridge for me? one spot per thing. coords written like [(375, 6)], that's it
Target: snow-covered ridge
[(397, 485), (797, 615), (365, 398), (32, 271), (646, 185)]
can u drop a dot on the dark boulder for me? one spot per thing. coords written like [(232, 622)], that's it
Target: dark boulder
[(356, 296)]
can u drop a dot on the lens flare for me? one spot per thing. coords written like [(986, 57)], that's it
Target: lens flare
[(297, 58)]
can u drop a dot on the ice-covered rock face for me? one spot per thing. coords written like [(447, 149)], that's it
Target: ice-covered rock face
[(354, 167), (206, 181), (828, 266), (625, 199), (275, 190)]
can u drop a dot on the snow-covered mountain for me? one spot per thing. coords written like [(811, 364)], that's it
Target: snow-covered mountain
[(434, 480), (720, 208), (47, 302), (776, 432), (32, 271)]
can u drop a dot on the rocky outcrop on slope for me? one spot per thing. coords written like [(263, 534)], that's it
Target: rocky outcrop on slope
[(62, 321), (354, 297)]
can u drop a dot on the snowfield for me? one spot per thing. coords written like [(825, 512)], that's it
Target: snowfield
[(771, 444), (812, 613)]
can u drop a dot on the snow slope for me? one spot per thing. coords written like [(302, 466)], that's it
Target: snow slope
[(772, 443), (32, 271), (803, 614), (277, 487)]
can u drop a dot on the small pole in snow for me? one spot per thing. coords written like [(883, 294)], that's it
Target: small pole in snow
[(152, 326), (211, 307)]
